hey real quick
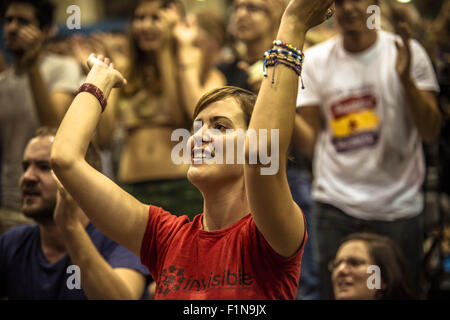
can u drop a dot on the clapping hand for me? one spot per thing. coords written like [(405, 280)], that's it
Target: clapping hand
[(403, 62), (309, 13), (65, 214), (32, 40), (103, 75), (185, 33), (168, 19)]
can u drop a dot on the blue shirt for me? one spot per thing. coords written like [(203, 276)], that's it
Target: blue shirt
[(25, 273)]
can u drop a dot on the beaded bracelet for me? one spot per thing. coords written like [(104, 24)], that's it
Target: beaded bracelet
[(291, 59), (289, 56), (288, 46), (95, 91), (274, 62), (279, 57), (286, 52)]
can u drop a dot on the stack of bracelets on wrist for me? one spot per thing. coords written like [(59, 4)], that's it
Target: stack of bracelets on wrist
[(289, 56)]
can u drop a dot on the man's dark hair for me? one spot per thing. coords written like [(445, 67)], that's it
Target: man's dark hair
[(45, 11)]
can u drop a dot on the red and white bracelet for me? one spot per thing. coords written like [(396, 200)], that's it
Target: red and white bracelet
[(94, 90)]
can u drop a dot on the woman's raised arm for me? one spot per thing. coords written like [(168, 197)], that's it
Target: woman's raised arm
[(275, 213), (112, 210)]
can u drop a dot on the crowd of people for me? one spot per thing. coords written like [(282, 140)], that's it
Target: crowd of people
[(86, 153)]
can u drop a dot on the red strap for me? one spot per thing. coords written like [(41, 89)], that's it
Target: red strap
[(94, 90)]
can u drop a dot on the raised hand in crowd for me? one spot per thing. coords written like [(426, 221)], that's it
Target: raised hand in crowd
[(31, 38), (403, 63)]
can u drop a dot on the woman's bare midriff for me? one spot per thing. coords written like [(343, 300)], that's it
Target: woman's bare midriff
[(147, 156)]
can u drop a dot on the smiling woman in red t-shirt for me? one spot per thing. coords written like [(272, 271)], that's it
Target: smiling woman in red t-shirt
[(248, 242)]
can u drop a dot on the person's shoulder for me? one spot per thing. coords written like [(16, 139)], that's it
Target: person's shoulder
[(321, 53), (18, 234), (165, 215), (52, 58), (390, 37), (59, 63), (97, 237), (246, 225), (105, 245), (6, 74), (323, 48)]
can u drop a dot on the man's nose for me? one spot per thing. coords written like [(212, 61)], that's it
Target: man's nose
[(12, 25), (346, 5), (30, 175), (240, 11), (147, 22)]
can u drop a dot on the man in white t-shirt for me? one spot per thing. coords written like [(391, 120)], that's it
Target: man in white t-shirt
[(35, 91), (369, 102)]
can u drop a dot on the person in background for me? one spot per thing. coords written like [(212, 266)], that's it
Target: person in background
[(150, 109), (115, 45), (200, 40), (408, 13), (369, 266), (369, 102), (253, 25), (59, 45), (62, 241), (36, 90)]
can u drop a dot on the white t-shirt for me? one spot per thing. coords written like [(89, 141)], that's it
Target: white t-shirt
[(19, 120), (368, 160)]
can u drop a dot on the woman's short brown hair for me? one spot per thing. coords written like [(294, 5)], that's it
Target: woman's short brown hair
[(245, 98)]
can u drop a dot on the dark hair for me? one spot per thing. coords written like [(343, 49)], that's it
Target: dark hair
[(388, 256), (92, 154), (245, 98), (45, 10)]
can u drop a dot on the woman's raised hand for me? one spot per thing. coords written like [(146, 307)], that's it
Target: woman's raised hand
[(309, 13), (185, 33), (102, 70)]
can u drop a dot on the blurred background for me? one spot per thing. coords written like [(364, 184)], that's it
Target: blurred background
[(114, 15)]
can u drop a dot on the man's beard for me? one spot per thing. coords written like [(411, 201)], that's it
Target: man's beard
[(12, 47), (42, 213)]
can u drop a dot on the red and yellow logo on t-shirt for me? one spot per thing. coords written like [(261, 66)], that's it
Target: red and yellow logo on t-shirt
[(354, 123)]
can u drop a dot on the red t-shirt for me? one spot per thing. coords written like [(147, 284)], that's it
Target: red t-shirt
[(235, 263)]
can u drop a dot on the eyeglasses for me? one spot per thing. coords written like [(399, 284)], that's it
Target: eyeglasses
[(352, 262), (250, 7)]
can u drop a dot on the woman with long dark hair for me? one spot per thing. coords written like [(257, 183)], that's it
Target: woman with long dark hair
[(364, 255), (150, 109)]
